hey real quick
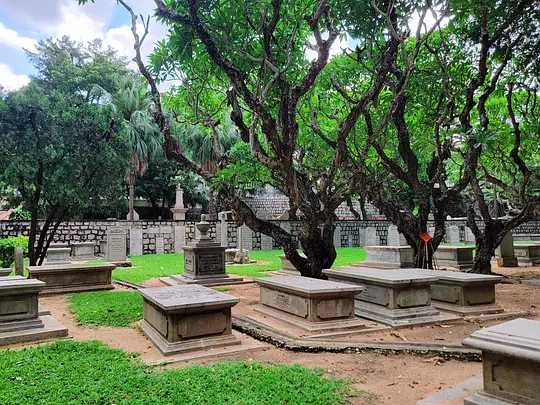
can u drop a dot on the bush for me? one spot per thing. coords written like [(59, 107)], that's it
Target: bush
[(7, 247), (20, 214)]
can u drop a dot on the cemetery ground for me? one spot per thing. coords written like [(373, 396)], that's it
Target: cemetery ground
[(90, 366)]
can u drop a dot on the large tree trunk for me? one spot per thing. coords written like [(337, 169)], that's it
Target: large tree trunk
[(318, 246)]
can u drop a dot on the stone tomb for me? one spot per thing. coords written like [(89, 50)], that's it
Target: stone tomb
[(5, 272), (58, 255), (527, 254), (457, 257), (400, 297), (116, 248), (511, 363), (82, 251), (20, 320), (73, 277), (389, 257), (308, 303), (464, 293), (204, 262), (287, 268), (185, 318)]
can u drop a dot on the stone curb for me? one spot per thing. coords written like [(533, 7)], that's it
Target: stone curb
[(269, 335)]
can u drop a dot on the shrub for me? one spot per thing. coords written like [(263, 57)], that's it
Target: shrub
[(20, 214), (7, 247)]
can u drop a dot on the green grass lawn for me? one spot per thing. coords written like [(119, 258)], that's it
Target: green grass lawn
[(152, 266), (91, 373), (107, 308)]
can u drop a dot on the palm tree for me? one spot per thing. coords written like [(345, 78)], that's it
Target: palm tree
[(208, 149), (141, 134)]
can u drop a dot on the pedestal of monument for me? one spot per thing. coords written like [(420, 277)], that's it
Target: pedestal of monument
[(511, 363), (464, 293), (457, 257), (527, 254), (389, 257), (186, 318), (308, 303), (204, 262), (58, 255), (73, 277), (401, 297), (82, 251), (20, 320), (505, 254)]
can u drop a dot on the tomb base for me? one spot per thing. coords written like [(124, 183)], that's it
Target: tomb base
[(42, 328), (206, 281), (527, 254), (401, 317), (508, 261), (324, 326), (171, 348), (457, 257), (482, 398), (5, 272), (468, 310)]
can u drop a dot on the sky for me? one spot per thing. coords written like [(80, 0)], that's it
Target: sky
[(24, 22)]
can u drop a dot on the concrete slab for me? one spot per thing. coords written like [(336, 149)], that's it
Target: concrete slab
[(50, 328)]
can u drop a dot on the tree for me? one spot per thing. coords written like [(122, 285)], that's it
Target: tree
[(138, 130), (58, 146), (327, 130)]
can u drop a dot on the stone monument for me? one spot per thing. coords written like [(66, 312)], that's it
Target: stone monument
[(185, 318), (20, 320), (527, 254), (308, 303), (58, 255), (457, 257), (19, 261), (83, 251), (204, 261), (505, 252), (464, 293), (397, 254), (116, 245), (179, 211), (511, 363), (452, 234), (135, 242), (396, 238), (73, 277), (400, 297)]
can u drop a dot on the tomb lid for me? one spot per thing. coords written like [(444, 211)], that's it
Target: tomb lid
[(517, 338), (18, 282), (460, 276), (187, 296), (381, 276), (456, 247), (307, 285), (53, 268)]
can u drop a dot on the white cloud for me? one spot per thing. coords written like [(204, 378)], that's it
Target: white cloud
[(10, 80), (12, 39)]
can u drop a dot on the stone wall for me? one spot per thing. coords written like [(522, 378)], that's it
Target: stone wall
[(348, 233)]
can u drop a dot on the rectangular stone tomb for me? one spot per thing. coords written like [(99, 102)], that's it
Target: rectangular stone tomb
[(527, 254), (311, 304), (5, 272), (457, 257), (73, 277), (58, 255), (204, 264), (399, 297), (20, 320), (83, 251), (230, 254), (511, 363), (464, 293), (389, 257), (186, 318)]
